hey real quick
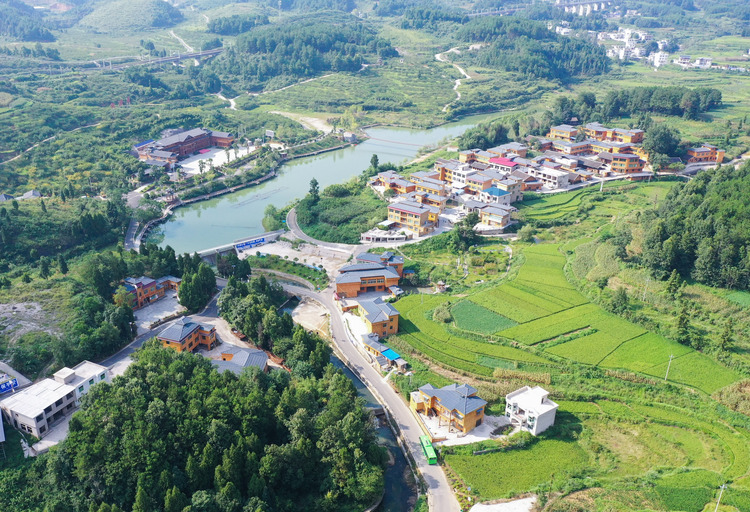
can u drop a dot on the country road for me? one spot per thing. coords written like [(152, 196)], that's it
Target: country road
[(441, 57), (187, 47), (47, 140), (441, 498)]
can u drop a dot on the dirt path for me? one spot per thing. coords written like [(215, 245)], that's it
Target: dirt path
[(47, 140), (441, 57), (232, 101), (182, 41), (311, 123), (290, 86)]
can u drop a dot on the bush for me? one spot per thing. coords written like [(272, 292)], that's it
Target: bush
[(442, 313)]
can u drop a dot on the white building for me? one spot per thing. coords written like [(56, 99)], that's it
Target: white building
[(659, 59), (551, 178), (530, 409), (39, 407)]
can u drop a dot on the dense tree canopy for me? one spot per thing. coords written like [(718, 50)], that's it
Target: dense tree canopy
[(528, 47), (301, 47), (173, 433), (702, 230), (19, 21), (235, 24)]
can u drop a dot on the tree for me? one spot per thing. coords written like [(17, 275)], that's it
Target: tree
[(26, 278), (62, 264), (673, 285), (682, 327), (374, 162), (726, 339), (620, 303), (123, 297), (43, 206), (526, 233), (661, 139), (314, 190), (44, 267), (14, 203)]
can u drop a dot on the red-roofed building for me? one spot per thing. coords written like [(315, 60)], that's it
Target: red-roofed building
[(504, 164)]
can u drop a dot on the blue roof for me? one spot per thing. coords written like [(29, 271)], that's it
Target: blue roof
[(494, 191), (390, 354), (144, 143)]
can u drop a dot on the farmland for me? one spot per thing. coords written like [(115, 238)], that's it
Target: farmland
[(553, 319)]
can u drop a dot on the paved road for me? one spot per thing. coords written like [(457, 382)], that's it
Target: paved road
[(211, 310), (291, 222), (440, 494)]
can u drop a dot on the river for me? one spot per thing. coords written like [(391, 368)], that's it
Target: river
[(230, 217)]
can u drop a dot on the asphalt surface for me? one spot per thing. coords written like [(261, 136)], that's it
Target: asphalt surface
[(441, 498)]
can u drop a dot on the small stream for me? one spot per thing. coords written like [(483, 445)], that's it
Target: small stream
[(399, 495)]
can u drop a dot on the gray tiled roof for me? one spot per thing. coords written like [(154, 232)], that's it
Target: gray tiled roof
[(359, 267), (355, 277), (241, 358), (455, 398), (377, 311), (179, 330)]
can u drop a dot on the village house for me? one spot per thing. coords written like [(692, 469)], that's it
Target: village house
[(417, 218), (146, 290), (431, 186), (456, 405), (426, 199), (385, 357), (380, 317), (623, 163), (475, 155), (41, 406), (503, 164), (365, 277), (236, 359), (563, 132), (495, 216), (387, 259), (552, 178), (530, 409), (705, 153), (390, 180), (515, 148), (184, 335)]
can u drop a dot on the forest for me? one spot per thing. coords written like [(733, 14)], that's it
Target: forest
[(20, 22), (235, 24), (301, 47), (174, 435), (528, 47), (702, 230)]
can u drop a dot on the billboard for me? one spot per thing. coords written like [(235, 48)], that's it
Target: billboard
[(8, 385), (249, 244)]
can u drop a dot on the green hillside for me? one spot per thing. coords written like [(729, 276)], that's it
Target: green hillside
[(130, 15)]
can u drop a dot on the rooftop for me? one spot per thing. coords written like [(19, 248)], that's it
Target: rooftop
[(531, 399), (376, 310), (501, 160), (181, 329), (455, 398), (357, 276), (241, 358)]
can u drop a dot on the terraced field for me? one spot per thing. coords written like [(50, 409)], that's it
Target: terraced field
[(553, 318), (552, 207)]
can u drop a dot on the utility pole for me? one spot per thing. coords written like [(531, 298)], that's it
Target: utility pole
[(669, 364), (601, 185), (721, 491)]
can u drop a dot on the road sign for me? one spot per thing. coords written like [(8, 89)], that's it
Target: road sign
[(8, 385)]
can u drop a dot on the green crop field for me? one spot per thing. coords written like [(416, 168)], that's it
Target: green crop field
[(502, 474), (474, 318), (540, 308)]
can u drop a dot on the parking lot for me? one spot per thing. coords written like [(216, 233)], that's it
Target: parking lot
[(163, 307)]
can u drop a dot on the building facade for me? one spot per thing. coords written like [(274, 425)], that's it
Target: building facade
[(458, 406), (184, 335), (531, 409), (41, 406)]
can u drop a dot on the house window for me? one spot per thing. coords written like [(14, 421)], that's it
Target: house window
[(69, 395), (80, 389), (42, 429), (91, 382), (69, 407), (59, 403), (48, 409), (39, 418), (102, 376)]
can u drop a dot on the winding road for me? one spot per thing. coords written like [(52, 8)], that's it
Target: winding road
[(441, 498), (441, 57)]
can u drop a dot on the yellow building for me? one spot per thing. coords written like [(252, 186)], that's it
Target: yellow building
[(563, 132), (185, 336), (455, 406), (413, 216)]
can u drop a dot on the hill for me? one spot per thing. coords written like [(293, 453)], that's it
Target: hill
[(130, 15)]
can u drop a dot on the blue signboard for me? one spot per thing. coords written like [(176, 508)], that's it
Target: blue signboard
[(250, 243), (8, 385)]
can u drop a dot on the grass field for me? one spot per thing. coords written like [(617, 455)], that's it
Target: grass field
[(502, 474), (474, 318)]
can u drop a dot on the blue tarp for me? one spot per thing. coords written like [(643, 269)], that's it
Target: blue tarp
[(390, 355)]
